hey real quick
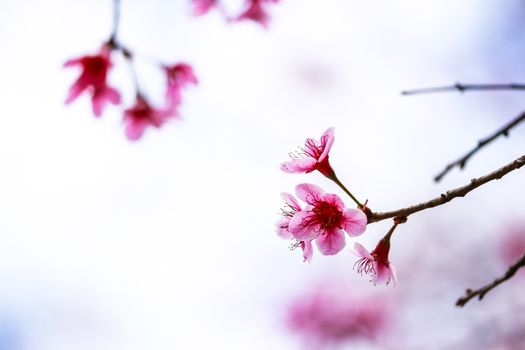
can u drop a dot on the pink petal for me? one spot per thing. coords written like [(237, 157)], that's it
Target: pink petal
[(327, 140), (112, 95), (383, 273), (393, 273), (200, 7), (362, 252), (334, 200), (299, 165), (135, 129), (331, 242), (354, 222), (291, 201), (256, 13), (282, 228), (301, 229), (308, 251), (102, 96), (75, 90), (73, 62), (309, 193)]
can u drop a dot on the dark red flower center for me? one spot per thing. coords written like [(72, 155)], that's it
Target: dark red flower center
[(97, 68), (328, 215)]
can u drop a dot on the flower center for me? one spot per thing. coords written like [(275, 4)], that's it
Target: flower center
[(97, 67), (312, 150), (328, 215)]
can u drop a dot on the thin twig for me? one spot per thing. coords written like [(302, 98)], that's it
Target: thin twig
[(461, 162), (464, 87), (449, 195), (480, 293), (116, 20)]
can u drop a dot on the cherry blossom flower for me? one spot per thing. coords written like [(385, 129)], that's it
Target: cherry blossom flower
[(376, 263), (142, 115), (314, 156), (324, 220), (512, 245), (178, 76), (290, 209), (255, 11), (331, 315), (93, 79), (201, 7)]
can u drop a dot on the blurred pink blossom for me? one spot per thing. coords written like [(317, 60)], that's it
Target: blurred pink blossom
[(200, 7), (290, 209), (324, 220), (512, 245), (178, 76), (313, 157), (256, 12), (376, 263), (328, 316), (93, 79), (142, 115)]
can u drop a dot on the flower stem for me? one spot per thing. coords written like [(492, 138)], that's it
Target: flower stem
[(116, 20), (340, 184), (390, 232)]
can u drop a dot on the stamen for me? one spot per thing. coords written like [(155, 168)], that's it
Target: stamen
[(294, 245)]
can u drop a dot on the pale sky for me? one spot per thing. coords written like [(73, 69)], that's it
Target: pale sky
[(169, 242)]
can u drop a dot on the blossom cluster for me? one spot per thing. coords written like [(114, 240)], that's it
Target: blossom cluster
[(329, 315), (93, 80), (254, 10), (325, 218)]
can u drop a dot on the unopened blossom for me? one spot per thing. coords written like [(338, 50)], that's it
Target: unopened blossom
[(376, 263), (142, 115), (200, 7), (325, 219), (331, 315), (256, 11), (291, 208), (314, 156), (178, 77), (93, 79)]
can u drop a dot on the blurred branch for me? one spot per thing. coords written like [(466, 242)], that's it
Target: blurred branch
[(449, 195), (480, 293), (464, 87), (461, 162)]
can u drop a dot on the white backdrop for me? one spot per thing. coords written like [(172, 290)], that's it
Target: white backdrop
[(169, 243)]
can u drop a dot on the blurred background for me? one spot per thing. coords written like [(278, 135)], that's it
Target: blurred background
[(170, 243)]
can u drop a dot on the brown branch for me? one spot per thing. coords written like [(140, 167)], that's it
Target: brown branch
[(480, 293), (461, 162), (464, 87), (449, 195)]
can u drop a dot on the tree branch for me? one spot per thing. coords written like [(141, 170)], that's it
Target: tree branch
[(461, 162), (480, 293), (449, 195), (464, 87)]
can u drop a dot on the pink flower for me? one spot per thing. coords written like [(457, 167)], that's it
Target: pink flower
[(376, 263), (142, 115), (256, 12), (327, 316), (200, 7), (314, 156), (512, 245), (290, 209), (178, 76), (93, 79), (324, 220)]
